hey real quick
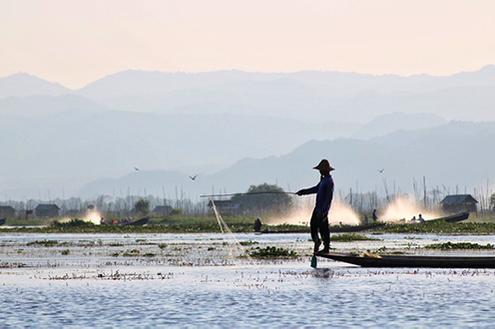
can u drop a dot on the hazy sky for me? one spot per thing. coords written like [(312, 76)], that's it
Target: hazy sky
[(74, 42)]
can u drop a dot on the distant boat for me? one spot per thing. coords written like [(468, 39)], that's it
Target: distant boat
[(452, 218), (2, 221), (374, 260), (139, 222)]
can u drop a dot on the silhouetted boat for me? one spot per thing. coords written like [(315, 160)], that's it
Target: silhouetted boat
[(372, 260), (139, 222), (452, 218), (333, 228), (2, 221)]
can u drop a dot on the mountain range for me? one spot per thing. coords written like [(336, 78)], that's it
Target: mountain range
[(236, 128), (456, 154)]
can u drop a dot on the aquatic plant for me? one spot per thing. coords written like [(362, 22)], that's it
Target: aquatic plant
[(272, 252), (72, 223), (248, 243), (441, 227), (459, 245), (44, 243), (149, 254), (65, 252), (131, 253), (348, 237)]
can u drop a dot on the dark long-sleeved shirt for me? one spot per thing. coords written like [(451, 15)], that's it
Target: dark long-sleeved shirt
[(324, 194)]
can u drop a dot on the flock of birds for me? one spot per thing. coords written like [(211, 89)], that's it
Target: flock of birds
[(193, 178)]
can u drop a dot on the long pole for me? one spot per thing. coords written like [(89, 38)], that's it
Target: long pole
[(246, 193)]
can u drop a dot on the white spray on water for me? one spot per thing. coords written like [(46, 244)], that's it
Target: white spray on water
[(301, 214), (91, 216), (406, 208)]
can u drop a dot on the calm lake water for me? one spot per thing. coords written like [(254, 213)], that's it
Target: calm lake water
[(273, 294), (269, 296)]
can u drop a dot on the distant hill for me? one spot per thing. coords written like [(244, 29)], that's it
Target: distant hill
[(58, 139), (308, 95), (22, 84), (455, 154), (388, 123), (43, 107)]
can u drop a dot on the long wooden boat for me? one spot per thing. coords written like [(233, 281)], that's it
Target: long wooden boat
[(452, 218), (333, 229), (373, 260)]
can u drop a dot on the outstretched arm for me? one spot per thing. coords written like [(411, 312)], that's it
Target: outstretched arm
[(311, 190)]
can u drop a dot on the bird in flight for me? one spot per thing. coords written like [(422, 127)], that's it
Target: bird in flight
[(381, 171), (193, 177), (136, 169)]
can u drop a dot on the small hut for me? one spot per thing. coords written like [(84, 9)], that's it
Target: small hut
[(7, 212), (459, 203), (47, 210)]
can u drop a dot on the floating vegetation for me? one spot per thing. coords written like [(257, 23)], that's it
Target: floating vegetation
[(72, 223), (248, 243), (162, 245), (440, 227), (44, 243), (272, 252), (131, 253), (349, 237), (459, 245), (149, 254), (116, 244), (65, 252)]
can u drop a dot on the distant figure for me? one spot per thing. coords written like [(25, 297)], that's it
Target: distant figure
[(413, 219), (421, 219), (193, 178), (257, 225), (324, 195), (375, 217)]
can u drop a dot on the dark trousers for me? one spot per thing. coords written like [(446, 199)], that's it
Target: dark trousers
[(320, 223)]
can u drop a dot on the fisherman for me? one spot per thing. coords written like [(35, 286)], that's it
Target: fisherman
[(324, 195), (421, 219), (257, 224), (375, 217)]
